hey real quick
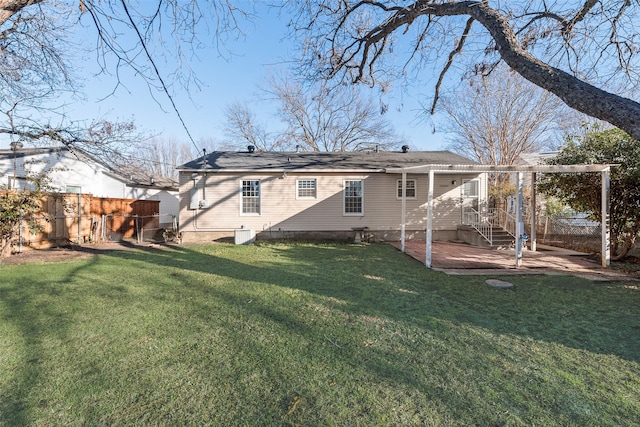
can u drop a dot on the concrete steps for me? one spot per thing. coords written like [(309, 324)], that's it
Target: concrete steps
[(502, 239)]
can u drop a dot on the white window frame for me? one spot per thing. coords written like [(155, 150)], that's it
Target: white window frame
[(344, 197), (469, 200), (242, 198), (315, 189), (414, 188), (74, 189), (475, 182)]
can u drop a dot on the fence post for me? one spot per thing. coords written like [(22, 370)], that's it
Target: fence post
[(79, 219), (20, 236)]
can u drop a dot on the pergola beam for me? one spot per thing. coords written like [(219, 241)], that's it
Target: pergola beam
[(424, 169)]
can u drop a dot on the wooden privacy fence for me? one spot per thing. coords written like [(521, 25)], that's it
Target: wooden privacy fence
[(80, 218)]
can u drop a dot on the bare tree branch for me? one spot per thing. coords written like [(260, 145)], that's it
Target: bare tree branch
[(453, 53), (596, 36), (316, 118), (35, 36), (496, 119)]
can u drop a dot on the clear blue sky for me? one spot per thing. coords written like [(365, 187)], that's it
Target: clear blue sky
[(235, 78)]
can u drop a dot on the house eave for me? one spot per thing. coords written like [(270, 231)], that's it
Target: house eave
[(153, 187), (281, 170)]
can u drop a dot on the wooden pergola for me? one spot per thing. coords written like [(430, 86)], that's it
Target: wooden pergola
[(519, 170)]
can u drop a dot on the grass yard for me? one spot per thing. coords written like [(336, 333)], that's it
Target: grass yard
[(302, 334)]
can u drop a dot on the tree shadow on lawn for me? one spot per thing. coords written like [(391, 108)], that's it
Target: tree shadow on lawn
[(370, 284), (28, 310), (376, 280)]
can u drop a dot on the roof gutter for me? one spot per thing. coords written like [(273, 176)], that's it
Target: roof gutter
[(280, 170)]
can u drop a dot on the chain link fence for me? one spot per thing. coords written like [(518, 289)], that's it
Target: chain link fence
[(572, 232)]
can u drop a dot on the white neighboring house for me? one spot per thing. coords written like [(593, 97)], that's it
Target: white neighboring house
[(77, 172)]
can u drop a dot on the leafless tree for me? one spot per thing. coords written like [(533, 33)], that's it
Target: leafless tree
[(242, 128), (331, 119), (36, 64), (586, 53), (315, 118), (497, 118), (159, 157)]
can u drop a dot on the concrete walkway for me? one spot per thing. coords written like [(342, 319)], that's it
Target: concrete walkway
[(460, 258)]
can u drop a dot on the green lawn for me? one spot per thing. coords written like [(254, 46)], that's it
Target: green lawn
[(303, 334)]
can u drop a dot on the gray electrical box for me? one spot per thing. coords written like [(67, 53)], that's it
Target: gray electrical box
[(194, 201)]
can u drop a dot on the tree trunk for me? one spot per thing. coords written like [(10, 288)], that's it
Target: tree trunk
[(10, 7), (5, 248), (621, 112), (627, 244)]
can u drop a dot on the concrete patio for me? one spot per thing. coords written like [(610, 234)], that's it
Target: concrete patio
[(460, 258)]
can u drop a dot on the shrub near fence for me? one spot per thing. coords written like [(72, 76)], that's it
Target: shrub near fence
[(78, 218)]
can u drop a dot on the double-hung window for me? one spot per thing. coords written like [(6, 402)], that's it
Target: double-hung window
[(411, 189), (306, 189), (353, 192), (250, 197)]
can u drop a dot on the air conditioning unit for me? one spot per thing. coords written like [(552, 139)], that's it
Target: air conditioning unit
[(244, 236), (203, 204)]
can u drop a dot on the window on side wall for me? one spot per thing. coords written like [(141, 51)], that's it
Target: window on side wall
[(73, 189), (250, 197), (353, 191), (306, 189), (411, 189)]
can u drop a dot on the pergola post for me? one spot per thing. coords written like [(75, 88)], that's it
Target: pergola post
[(429, 230), (605, 254), (519, 222), (404, 210), (534, 214)]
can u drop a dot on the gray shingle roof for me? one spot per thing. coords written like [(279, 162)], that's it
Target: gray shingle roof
[(360, 160)]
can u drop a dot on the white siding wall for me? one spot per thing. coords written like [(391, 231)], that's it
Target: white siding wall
[(168, 199), (91, 177), (281, 211), (67, 170)]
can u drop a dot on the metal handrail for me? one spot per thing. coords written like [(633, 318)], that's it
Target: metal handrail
[(482, 225), (503, 219)]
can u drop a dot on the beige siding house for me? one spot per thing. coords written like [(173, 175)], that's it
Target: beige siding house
[(321, 195)]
